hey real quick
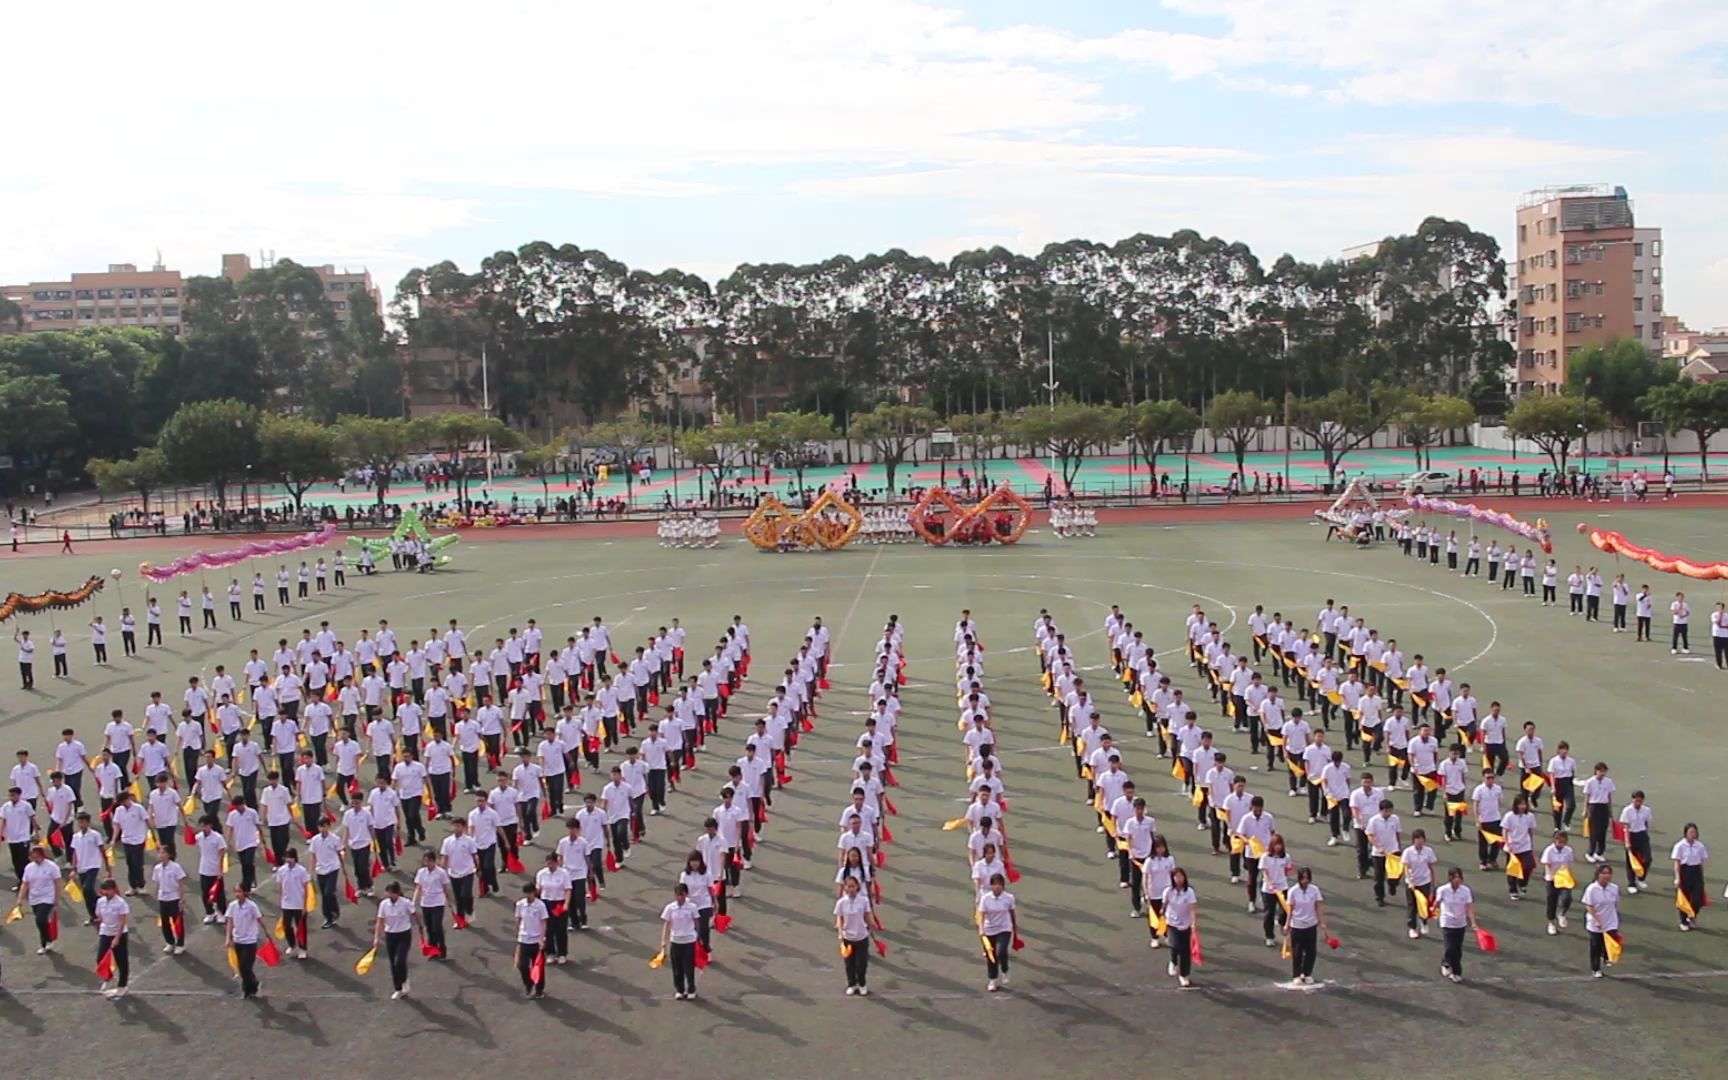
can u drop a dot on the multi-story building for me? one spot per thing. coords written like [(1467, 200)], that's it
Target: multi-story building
[(340, 286), (122, 295), (1586, 273)]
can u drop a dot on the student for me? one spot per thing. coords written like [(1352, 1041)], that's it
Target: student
[(112, 931), (1557, 857), (1156, 874), (1519, 830), (1457, 912), (531, 917), (294, 881), (1598, 812), (26, 658), (39, 890), (1385, 837), (1644, 605), (1635, 816), (555, 888), (697, 878), (1681, 613), (678, 937), (1689, 857), (1485, 803), (1274, 867), (1181, 916), (1562, 771), (243, 930), (998, 926), (170, 878), (431, 895), (394, 927), (851, 925), (1307, 924), (1602, 916)]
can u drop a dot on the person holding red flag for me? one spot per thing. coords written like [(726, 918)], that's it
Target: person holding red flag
[(554, 884), (113, 962), (698, 883), (998, 926), (531, 918), (852, 926), (395, 928), (1181, 917), (294, 881), (431, 895), (170, 879), (39, 889), (1457, 906)]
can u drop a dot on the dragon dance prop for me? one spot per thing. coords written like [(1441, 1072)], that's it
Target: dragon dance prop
[(1355, 499), (52, 600), (217, 560), (409, 527), (1536, 533), (829, 524), (1001, 517), (1615, 544)]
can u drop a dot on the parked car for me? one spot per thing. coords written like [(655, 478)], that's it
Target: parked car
[(1427, 482)]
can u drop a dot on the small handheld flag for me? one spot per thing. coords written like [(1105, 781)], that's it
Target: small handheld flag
[(364, 964)]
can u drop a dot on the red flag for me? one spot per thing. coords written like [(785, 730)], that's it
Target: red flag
[(267, 951), (105, 964), (513, 864), (576, 777), (615, 660), (1332, 942), (701, 956), (1013, 874), (1194, 947), (715, 887), (722, 923), (635, 831), (876, 892), (887, 837), (1486, 941), (593, 890), (350, 892), (270, 855), (1619, 832), (214, 891), (901, 678), (612, 862), (398, 845), (881, 860), (537, 970), (888, 775), (654, 697), (545, 810), (309, 833), (783, 779), (430, 951), (689, 759), (54, 926), (483, 890), (137, 767), (180, 927), (893, 753), (881, 947), (1018, 944), (889, 804), (191, 836), (558, 909), (808, 724), (460, 921)]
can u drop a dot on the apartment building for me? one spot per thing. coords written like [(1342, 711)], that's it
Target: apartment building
[(122, 295), (340, 286)]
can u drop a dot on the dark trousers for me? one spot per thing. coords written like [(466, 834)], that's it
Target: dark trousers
[(116, 948), (462, 891), (1181, 949), (1637, 843), (329, 895), (657, 781), (1597, 815), (362, 858), (246, 954), (1681, 638), (1644, 628), (1564, 795), (134, 865), (858, 962), (433, 919), (558, 929), (413, 828), (1559, 901), (526, 953), (1598, 951), (396, 946), (1453, 956), (489, 867), (1304, 943)]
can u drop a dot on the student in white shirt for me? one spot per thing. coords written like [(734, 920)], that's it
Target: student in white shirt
[(431, 897), (1635, 816), (1457, 907), (678, 941), (851, 924), (1681, 613), (394, 927), (1690, 855), (113, 917), (1307, 925), (1602, 916), (1598, 810), (170, 878), (1181, 918), (244, 929)]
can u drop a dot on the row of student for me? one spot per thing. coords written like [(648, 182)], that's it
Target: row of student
[(863, 822), (1584, 587), (365, 837)]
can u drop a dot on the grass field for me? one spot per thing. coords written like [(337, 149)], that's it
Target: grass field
[(1088, 997)]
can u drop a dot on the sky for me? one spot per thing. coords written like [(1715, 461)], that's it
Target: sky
[(700, 135)]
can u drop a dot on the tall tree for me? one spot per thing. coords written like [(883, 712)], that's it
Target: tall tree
[(1554, 422), (1618, 373), (377, 444), (297, 453), (624, 441), (794, 435), (892, 431), (461, 436), (1237, 416), (36, 425), (717, 449), (1424, 419), (211, 443), (1342, 421), (1701, 408), (1069, 431), (1155, 426), (144, 473)]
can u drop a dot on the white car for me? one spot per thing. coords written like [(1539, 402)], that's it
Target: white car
[(1427, 482)]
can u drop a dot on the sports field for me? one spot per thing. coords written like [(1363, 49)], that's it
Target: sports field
[(1088, 998)]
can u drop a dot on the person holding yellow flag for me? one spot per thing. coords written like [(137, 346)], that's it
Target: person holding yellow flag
[(1689, 856), (1519, 830), (1557, 871), (1274, 867), (1418, 861), (1634, 832), (998, 925), (1307, 924), (678, 942), (1602, 918), (244, 930), (852, 926)]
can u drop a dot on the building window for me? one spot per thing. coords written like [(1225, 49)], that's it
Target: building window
[(1637, 249), (1522, 231), (170, 311), (128, 313), (1655, 273), (86, 294), (1637, 277), (170, 291), (1655, 249), (1598, 288), (1637, 303), (1637, 330), (146, 293), (1573, 350), (87, 314), (104, 294), (1656, 332), (1553, 324), (1572, 323), (128, 294), (1656, 303), (147, 313), (1551, 260)]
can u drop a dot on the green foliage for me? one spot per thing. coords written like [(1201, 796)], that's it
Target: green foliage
[(1341, 421), (1156, 426), (1069, 430), (375, 443), (211, 442), (297, 453), (1701, 408), (1236, 416), (892, 431), (144, 472), (1554, 422), (1618, 373), (1426, 418)]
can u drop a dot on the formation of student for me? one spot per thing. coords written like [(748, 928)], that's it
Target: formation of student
[(1585, 586), (258, 785)]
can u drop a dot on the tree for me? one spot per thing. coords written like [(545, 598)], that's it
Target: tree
[(1069, 430), (297, 453), (376, 444), (718, 449), (144, 473), (211, 443), (542, 461), (1236, 416), (624, 441), (1155, 426), (791, 433), (892, 431), (1701, 408), (1341, 421), (1554, 422), (1425, 419), (460, 432), (11, 311), (35, 418), (1618, 373)]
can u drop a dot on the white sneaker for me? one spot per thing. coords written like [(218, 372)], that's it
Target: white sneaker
[(397, 996), (1595, 974), (1332, 842), (1270, 942), (1235, 879), (1455, 978), (1552, 929), (991, 986), (179, 950), (1312, 820), (303, 955), (747, 865), (1199, 828), (168, 949), (1422, 930), (863, 991), (851, 990), (1414, 935), (1562, 922), (1003, 981), (1183, 982), (43, 951), (117, 992), (1633, 889), (1170, 969)]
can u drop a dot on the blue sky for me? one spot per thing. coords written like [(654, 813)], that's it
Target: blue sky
[(700, 135)]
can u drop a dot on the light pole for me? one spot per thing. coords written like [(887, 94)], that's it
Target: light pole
[(1051, 384)]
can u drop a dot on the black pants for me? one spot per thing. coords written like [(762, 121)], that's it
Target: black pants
[(557, 928), (1692, 885), (1181, 949), (1598, 951), (1548, 593), (1593, 608), (134, 865), (526, 953), (413, 828), (1681, 639), (620, 836), (60, 670), (657, 782), (1619, 616), (489, 867), (462, 891), (234, 610), (1487, 853), (27, 675), (1559, 901), (396, 946), (153, 634), (470, 769), (362, 858), (1564, 795), (1304, 947), (115, 947), (209, 618), (1720, 644), (1644, 628), (858, 962), (44, 915), (129, 642), (1472, 566), (101, 653), (329, 895), (683, 958), (1637, 843), (1453, 956), (246, 954), (432, 917), (1596, 814)]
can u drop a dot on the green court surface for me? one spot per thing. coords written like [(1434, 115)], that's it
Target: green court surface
[(1088, 998), (1114, 477)]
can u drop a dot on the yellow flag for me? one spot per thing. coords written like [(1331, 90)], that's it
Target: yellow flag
[(1458, 807), (1683, 905), (1612, 944), (658, 959), (1136, 700), (1563, 878), (953, 823), (150, 840), (364, 964), (1285, 950), (1062, 736), (1533, 783), (15, 914), (1237, 845), (233, 959), (221, 749), (1394, 866), (1199, 796), (1638, 867), (1490, 835), (1085, 772), (1514, 867), (1255, 847), (989, 949), (1429, 783), (1176, 769), (74, 891), (282, 929), (1422, 904), (1586, 826), (1277, 741), (190, 805), (311, 898), (845, 949), (1156, 922)]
